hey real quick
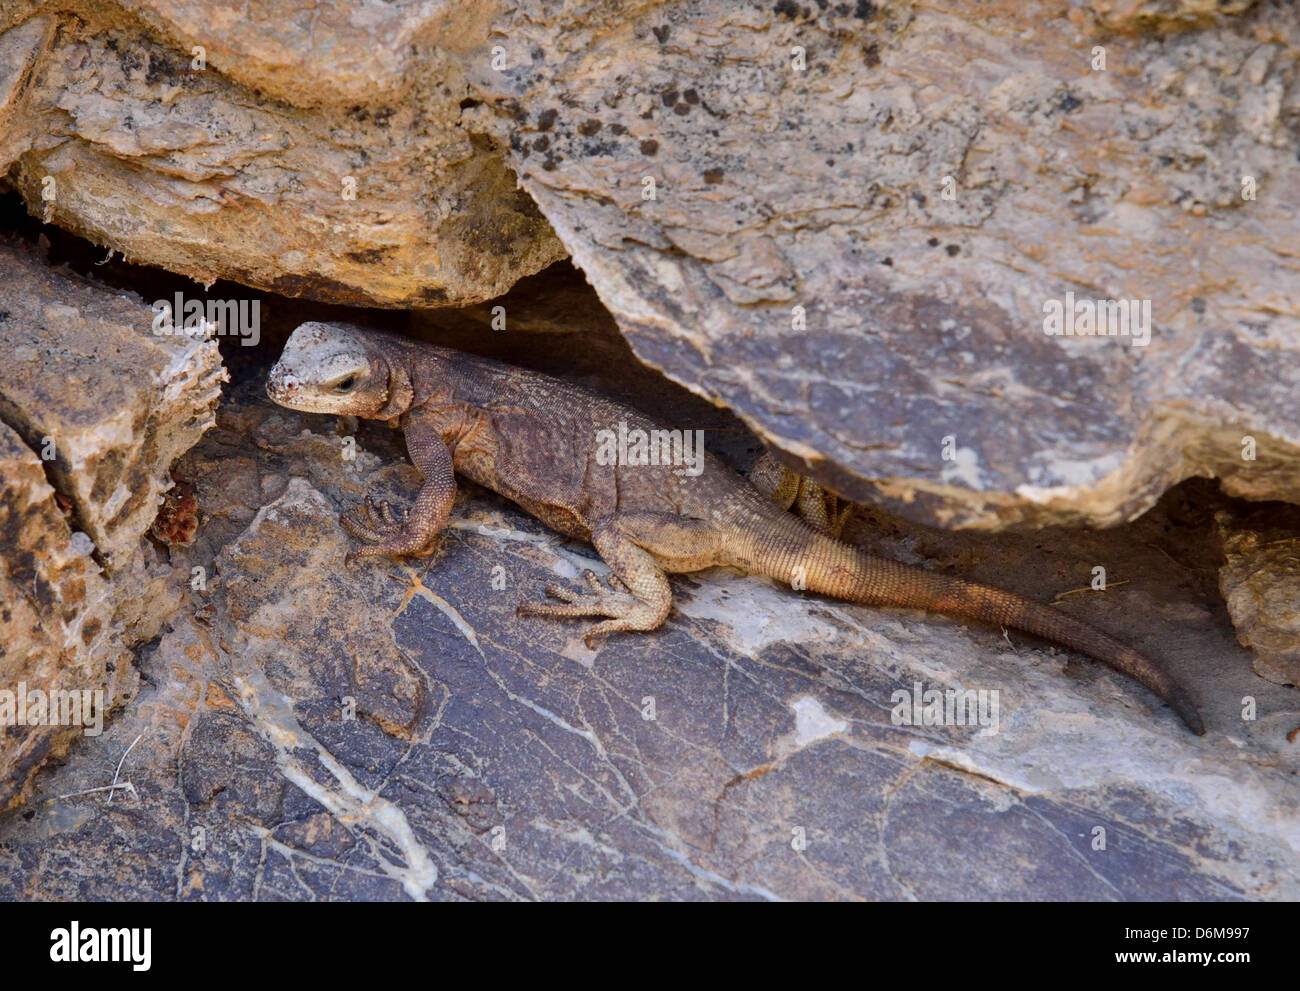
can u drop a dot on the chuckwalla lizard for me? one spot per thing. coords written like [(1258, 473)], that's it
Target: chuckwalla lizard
[(533, 439)]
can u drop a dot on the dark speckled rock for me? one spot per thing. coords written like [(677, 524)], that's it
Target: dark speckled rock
[(312, 731)]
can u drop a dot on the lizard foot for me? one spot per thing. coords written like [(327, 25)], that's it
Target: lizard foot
[(625, 610), (381, 531)]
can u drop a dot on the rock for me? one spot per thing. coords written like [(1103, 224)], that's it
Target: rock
[(345, 178), (1260, 581), (55, 631), (1167, 15), (852, 224), (106, 403), (20, 50), (392, 731), (859, 256), (94, 411)]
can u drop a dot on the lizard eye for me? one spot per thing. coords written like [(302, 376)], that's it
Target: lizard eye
[(345, 385)]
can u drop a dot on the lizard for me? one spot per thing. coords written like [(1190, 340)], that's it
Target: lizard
[(533, 439)]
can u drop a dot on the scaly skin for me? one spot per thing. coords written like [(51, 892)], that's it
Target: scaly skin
[(533, 439)]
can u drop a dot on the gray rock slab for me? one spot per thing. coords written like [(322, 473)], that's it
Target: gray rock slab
[(390, 731)]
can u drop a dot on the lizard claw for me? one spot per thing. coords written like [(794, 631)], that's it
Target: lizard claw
[(379, 517), (374, 522), (600, 601), (382, 512), (381, 531), (357, 527), (612, 584), (562, 593)]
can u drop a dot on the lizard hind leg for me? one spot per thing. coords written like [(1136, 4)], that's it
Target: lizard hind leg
[(792, 491), (637, 547), (775, 481)]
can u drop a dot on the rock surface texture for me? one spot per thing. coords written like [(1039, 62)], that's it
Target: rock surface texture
[(1260, 582), (856, 256), (313, 731), (324, 159), (93, 411)]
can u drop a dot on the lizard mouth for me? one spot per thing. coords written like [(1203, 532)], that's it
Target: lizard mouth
[(279, 384)]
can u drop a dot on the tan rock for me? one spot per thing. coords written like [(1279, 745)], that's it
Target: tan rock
[(105, 403), (94, 409), (863, 214), (317, 156), (1260, 582)]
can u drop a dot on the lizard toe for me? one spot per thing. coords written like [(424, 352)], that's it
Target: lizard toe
[(637, 619), (369, 525), (563, 593), (380, 518), (403, 545), (357, 527), (391, 517), (575, 604)]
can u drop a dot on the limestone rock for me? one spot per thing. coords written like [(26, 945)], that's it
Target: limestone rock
[(107, 404), (1260, 581), (1127, 15), (94, 409), (324, 158), (58, 648), (863, 217)]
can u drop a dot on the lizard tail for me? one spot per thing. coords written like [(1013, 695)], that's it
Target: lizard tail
[(831, 567)]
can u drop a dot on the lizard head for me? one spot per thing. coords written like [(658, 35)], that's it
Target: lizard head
[(334, 368)]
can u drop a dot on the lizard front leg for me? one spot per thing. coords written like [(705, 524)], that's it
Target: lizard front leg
[(384, 532), (637, 547)]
